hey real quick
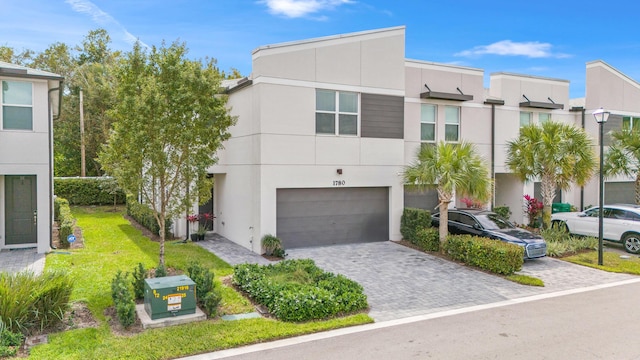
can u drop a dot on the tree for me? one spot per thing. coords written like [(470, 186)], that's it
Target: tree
[(449, 167), (623, 157), (10, 55), (168, 124), (558, 154)]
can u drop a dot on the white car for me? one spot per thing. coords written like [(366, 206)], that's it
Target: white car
[(621, 224)]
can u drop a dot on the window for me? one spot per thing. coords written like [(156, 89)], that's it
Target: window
[(17, 105), (336, 112), (630, 123), (543, 117), (428, 122), (525, 118), (451, 123)]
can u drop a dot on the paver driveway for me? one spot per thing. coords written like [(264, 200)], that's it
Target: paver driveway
[(402, 282)]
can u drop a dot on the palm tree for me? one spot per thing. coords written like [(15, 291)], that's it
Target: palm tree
[(449, 167), (623, 157), (558, 154)]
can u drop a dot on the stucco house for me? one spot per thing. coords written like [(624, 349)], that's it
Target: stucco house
[(30, 100), (325, 127)]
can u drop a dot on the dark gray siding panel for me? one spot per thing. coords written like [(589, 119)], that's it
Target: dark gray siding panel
[(382, 116), (316, 217), (425, 199), (619, 192)]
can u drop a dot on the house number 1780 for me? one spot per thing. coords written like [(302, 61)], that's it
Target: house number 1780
[(339, 183)]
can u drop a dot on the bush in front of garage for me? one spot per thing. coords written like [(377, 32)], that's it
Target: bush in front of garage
[(297, 290), (487, 254), (427, 239), (413, 220)]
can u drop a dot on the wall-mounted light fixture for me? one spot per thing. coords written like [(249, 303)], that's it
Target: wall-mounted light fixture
[(339, 171)]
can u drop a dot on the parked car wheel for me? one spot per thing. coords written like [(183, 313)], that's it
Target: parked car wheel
[(560, 225), (632, 243)]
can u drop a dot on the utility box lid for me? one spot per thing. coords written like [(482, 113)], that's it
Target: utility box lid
[(169, 296)]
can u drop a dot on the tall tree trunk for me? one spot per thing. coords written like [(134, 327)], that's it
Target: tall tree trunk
[(162, 238), (443, 228), (548, 190)]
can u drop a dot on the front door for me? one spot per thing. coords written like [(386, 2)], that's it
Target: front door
[(20, 209)]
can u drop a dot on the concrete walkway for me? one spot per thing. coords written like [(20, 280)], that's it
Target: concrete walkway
[(21, 260), (401, 282)]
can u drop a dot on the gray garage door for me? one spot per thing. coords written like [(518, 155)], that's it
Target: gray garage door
[(619, 192), (315, 217)]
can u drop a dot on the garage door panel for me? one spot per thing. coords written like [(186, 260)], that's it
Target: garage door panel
[(316, 217), (619, 192)]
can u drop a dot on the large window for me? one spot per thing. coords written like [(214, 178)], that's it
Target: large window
[(630, 123), (428, 122), (543, 118), (451, 123), (17, 105), (525, 118), (336, 112)]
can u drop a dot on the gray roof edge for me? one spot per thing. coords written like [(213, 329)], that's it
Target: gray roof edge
[(31, 73), (529, 76), (328, 38)]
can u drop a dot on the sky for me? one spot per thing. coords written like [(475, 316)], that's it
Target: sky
[(546, 38)]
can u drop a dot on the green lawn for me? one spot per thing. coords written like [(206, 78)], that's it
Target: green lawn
[(112, 244), (611, 262)]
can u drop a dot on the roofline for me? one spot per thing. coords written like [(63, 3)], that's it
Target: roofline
[(19, 71), (595, 63), (326, 38), (528, 76), (431, 63)]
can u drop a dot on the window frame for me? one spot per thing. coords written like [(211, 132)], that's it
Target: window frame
[(336, 112), (456, 124), (633, 123), (547, 117), (4, 104), (434, 123), (530, 115)]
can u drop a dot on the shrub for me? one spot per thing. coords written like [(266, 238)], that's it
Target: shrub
[(492, 255), (144, 216), (62, 214), (30, 302), (561, 243), (139, 274), (271, 244), (503, 211), (88, 191), (533, 208), (427, 239), (161, 271), (122, 296), (207, 295), (412, 220), (297, 290)]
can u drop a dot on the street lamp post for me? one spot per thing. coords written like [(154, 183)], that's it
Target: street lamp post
[(601, 118)]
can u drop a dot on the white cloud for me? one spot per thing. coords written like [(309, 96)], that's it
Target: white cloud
[(301, 8), (103, 19), (532, 49)]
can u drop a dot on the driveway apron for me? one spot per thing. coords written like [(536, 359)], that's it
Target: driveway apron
[(401, 282)]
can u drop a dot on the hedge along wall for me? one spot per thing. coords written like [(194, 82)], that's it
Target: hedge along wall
[(88, 190)]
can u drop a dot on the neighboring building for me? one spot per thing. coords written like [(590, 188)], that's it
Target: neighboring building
[(326, 126), (30, 99)]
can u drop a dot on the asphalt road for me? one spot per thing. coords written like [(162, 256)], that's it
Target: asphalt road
[(601, 323)]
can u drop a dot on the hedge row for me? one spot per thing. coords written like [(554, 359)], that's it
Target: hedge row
[(491, 255), (145, 217), (89, 190), (413, 220), (314, 294), (427, 239), (62, 214)]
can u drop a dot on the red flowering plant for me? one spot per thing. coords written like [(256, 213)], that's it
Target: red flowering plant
[(472, 204), (533, 207), (208, 219), (192, 218)]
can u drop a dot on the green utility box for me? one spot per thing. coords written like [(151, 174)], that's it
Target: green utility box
[(169, 296), (560, 207)]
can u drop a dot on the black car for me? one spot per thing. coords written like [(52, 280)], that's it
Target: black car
[(491, 225)]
